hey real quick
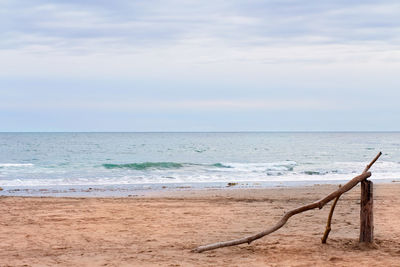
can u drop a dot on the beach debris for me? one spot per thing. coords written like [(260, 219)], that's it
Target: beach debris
[(328, 223), (364, 191), (366, 229)]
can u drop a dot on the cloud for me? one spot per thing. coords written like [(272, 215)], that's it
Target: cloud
[(71, 25), (124, 38), (176, 55)]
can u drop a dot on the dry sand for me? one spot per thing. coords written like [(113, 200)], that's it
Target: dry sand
[(161, 230)]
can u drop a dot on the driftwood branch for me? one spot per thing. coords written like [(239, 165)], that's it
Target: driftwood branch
[(372, 162), (318, 204), (328, 223)]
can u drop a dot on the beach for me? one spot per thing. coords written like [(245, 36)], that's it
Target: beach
[(161, 228), (142, 133)]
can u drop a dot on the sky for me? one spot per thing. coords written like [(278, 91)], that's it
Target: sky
[(183, 65)]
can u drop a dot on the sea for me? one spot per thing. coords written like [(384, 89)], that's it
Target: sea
[(128, 164)]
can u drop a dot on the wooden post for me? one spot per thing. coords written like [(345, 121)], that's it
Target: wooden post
[(366, 213)]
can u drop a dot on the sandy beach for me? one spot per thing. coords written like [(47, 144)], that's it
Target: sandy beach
[(161, 229)]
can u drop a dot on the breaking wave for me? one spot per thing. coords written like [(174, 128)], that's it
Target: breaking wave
[(144, 165), (5, 165), (160, 165)]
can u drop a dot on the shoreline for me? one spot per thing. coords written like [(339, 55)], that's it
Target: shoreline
[(135, 190), (161, 229)]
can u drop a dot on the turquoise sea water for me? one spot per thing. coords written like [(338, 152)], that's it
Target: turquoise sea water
[(49, 160)]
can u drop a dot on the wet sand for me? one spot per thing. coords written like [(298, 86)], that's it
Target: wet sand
[(161, 229)]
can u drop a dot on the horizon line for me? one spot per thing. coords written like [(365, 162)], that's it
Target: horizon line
[(244, 131)]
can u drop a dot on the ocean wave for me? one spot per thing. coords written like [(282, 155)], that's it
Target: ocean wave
[(280, 166), (5, 165), (257, 167), (314, 173), (220, 165), (161, 165), (144, 165)]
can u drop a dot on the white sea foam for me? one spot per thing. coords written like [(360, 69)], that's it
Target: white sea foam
[(189, 178), (5, 165), (262, 167)]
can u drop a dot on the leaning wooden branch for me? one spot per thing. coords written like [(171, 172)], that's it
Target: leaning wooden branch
[(372, 162), (319, 204), (328, 223)]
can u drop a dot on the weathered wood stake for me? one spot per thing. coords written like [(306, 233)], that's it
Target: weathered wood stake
[(366, 212)]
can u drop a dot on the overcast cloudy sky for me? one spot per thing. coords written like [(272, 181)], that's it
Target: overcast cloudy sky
[(183, 65)]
